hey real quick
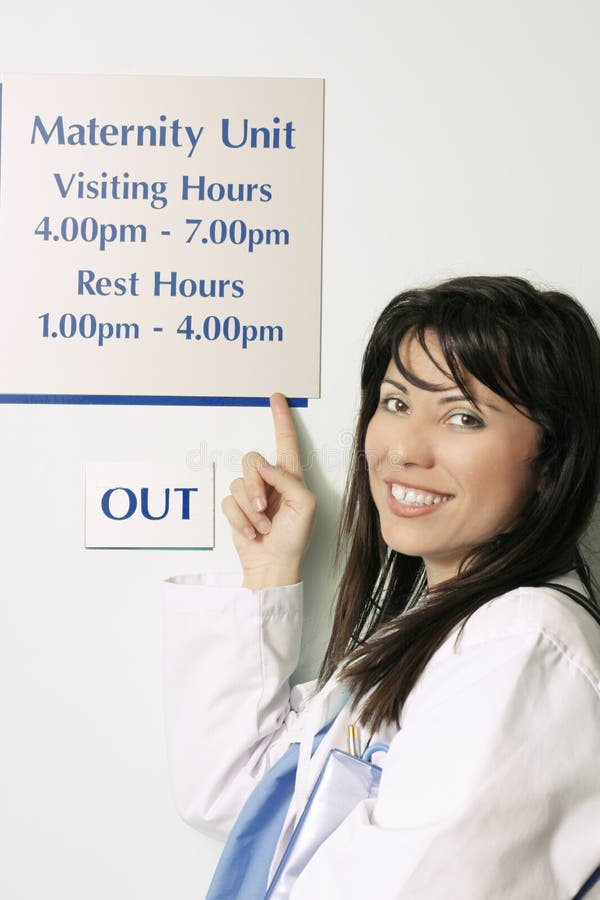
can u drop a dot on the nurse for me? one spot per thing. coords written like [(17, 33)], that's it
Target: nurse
[(475, 471)]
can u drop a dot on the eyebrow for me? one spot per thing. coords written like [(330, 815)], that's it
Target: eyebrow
[(455, 398)]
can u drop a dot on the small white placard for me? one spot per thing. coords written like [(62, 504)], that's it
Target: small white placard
[(145, 504)]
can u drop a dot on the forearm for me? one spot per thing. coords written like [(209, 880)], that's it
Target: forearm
[(229, 654)]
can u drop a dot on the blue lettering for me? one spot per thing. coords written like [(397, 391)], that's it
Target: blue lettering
[(262, 138), (144, 505), (132, 506), (225, 134), (106, 500), (38, 126), (93, 134), (185, 500)]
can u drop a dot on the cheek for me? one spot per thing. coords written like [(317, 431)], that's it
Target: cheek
[(502, 476)]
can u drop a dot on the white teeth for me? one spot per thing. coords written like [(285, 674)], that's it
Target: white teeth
[(412, 497)]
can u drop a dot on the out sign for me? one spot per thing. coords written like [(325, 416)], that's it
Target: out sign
[(154, 505)]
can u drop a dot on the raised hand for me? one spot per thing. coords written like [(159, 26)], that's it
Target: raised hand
[(271, 510)]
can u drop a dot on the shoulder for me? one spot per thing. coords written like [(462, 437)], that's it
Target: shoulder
[(523, 649), (542, 616)]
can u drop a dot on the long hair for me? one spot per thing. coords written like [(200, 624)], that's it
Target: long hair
[(539, 350)]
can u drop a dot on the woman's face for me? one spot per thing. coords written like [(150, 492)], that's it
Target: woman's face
[(445, 475)]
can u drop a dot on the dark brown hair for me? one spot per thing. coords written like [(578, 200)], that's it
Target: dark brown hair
[(540, 351)]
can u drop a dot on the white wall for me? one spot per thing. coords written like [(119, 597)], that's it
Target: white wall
[(461, 137)]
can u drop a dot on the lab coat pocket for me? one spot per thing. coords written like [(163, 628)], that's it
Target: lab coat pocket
[(344, 781)]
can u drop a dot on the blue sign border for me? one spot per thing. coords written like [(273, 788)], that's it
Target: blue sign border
[(133, 400)]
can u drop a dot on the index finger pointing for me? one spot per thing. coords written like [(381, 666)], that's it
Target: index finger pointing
[(286, 440)]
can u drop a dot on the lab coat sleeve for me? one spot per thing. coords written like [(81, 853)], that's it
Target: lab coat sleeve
[(491, 789), (228, 656)]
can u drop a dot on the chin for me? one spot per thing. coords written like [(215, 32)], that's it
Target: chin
[(402, 545)]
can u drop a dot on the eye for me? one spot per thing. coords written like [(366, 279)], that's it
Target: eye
[(393, 404), (468, 421)]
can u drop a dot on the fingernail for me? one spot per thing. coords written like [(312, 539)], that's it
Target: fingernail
[(250, 533), (265, 464), (264, 526), (258, 503)]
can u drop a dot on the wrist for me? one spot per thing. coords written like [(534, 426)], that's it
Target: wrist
[(257, 580)]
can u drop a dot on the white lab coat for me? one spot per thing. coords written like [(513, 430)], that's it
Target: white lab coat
[(490, 789)]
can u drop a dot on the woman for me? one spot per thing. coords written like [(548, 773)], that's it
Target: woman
[(475, 472)]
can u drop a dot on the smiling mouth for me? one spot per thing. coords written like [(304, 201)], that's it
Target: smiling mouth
[(413, 497)]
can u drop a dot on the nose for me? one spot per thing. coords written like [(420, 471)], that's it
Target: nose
[(412, 446)]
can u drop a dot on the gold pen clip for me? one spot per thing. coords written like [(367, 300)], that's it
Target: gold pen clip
[(352, 739)]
